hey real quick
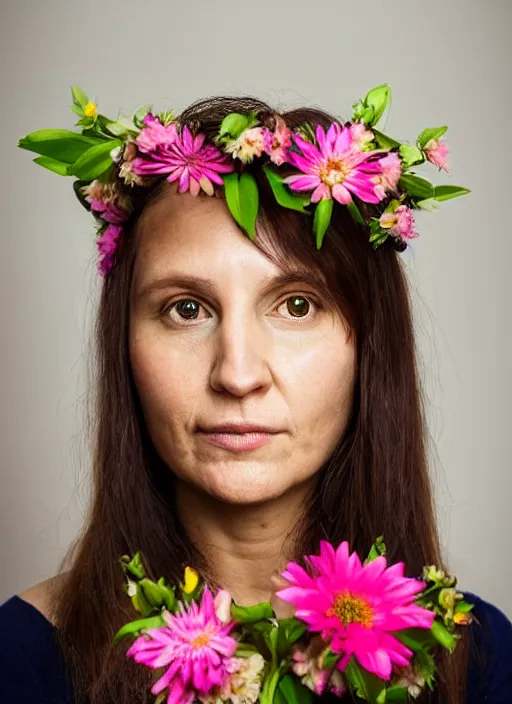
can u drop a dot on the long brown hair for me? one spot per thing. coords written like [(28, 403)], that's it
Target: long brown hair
[(375, 483)]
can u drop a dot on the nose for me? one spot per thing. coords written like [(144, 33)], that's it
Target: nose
[(242, 355)]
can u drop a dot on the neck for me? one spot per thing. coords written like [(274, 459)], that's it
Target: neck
[(243, 545)]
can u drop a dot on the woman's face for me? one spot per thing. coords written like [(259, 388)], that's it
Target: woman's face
[(215, 338)]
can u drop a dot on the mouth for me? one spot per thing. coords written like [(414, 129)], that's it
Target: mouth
[(238, 442)]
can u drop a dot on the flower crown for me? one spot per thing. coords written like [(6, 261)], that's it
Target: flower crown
[(351, 163)]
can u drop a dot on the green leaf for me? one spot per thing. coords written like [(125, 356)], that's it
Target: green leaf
[(447, 192), (429, 204), (52, 164), (397, 694), (428, 134), (135, 627), (415, 638), (363, 683), (410, 155), (62, 145), (463, 607), (379, 547), (249, 203), (385, 142), (323, 212), (378, 98), (416, 187), (140, 114), (356, 213), (231, 191), (252, 614), (133, 565), (79, 97), (235, 123), (291, 629), (77, 110), (443, 636), (95, 161), (121, 128), (282, 193), (291, 691), (331, 659), (243, 650)]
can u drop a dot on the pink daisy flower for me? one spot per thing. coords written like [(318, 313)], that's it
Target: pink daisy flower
[(186, 160), (357, 608), (436, 152), (400, 223), (336, 168), (195, 646), (107, 244), (277, 142)]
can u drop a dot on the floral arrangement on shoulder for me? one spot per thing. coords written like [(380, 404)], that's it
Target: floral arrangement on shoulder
[(340, 625), (349, 163)]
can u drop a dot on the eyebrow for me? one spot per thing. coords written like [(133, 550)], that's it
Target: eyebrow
[(207, 286)]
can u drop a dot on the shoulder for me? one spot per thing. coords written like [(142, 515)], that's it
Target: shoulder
[(39, 596), (490, 667), (32, 667)]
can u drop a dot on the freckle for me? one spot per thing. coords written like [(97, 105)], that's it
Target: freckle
[(264, 525)]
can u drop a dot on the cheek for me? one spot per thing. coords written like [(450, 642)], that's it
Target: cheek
[(167, 397), (321, 397)]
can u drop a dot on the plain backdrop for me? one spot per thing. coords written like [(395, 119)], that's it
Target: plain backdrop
[(447, 63)]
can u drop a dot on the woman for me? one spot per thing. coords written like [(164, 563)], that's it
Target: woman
[(253, 397)]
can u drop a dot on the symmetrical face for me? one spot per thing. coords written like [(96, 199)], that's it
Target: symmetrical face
[(215, 338)]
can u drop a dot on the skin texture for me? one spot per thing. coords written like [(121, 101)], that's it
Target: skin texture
[(238, 351)]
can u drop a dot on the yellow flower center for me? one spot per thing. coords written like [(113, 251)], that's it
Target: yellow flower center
[(200, 641), (351, 609), (90, 109), (333, 171)]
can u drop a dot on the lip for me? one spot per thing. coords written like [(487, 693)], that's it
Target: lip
[(238, 442), (238, 428)]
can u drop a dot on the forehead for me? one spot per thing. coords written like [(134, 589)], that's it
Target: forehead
[(196, 235)]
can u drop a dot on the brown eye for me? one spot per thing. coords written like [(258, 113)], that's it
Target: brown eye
[(297, 306), (186, 308)]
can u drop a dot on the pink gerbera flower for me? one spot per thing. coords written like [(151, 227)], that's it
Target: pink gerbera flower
[(185, 159), (337, 167), (357, 608), (195, 646)]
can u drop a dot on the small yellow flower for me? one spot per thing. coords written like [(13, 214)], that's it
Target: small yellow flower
[(462, 619), (90, 109), (191, 580)]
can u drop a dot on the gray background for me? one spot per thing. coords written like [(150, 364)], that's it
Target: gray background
[(447, 63)]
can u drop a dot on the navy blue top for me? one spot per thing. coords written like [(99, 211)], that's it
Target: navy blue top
[(32, 670)]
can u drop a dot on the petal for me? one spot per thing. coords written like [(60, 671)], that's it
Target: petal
[(184, 181), (376, 661), (307, 166), (302, 183), (309, 150), (341, 194), (194, 187), (320, 193)]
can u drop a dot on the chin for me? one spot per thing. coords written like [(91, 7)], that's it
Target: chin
[(244, 487)]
